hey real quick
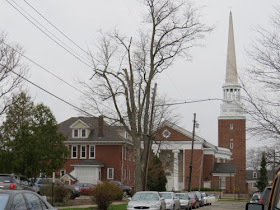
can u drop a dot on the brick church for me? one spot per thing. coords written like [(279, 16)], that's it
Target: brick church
[(217, 167)]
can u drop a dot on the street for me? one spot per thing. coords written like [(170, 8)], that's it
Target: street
[(226, 205)]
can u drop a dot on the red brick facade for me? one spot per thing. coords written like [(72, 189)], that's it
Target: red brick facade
[(232, 135)]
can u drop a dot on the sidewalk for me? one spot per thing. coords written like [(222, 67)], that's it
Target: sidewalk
[(89, 205)]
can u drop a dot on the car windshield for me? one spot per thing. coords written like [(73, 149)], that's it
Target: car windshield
[(166, 195), (181, 196), (191, 195), (211, 195), (4, 199), (6, 179), (145, 196)]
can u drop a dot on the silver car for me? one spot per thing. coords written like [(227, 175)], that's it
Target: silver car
[(172, 202), (146, 200)]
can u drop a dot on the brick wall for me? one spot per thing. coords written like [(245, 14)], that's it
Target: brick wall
[(237, 135)]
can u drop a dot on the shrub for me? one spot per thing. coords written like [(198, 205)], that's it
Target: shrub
[(105, 193), (60, 193)]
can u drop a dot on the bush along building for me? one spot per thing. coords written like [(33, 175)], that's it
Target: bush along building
[(217, 167), (98, 152)]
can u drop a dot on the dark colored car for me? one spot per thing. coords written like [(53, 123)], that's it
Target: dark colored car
[(16, 182), (194, 200), (265, 196), (127, 190), (85, 188), (22, 199), (42, 183)]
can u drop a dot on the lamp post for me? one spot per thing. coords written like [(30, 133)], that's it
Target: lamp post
[(190, 176)]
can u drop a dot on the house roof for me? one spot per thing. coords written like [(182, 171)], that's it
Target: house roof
[(224, 168), (88, 163), (249, 175), (109, 132)]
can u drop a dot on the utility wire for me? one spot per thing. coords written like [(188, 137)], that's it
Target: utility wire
[(190, 102), (49, 36), (11, 70), (55, 27), (29, 59)]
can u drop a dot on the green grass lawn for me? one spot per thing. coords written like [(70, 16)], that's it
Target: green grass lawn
[(111, 207)]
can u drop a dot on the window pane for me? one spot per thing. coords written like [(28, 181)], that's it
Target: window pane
[(91, 153), (76, 133), (83, 133), (19, 202), (33, 201), (74, 151), (4, 199)]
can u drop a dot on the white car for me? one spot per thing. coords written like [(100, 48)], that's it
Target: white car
[(210, 198), (146, 200), (172, 202)]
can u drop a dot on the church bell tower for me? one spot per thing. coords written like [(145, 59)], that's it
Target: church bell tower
[(232, 122)]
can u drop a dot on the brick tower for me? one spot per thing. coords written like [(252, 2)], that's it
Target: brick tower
[(232, 122)]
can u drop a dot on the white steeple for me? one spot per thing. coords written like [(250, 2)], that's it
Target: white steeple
[(231, 106)]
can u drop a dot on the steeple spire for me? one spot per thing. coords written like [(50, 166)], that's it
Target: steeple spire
[(231, 106), (231, 71)]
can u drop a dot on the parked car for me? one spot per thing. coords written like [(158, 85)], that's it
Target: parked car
[(265, 196), (273, 195), (194, 200), (185, 202), (22, 199), (16, 182), (200, 199), (211, 198), (43, 183), (204, 198), (172, 202), (255, 197), (85, 188), (146, 200), (127, 190)]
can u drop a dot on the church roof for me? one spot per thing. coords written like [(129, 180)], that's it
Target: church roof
[(231, 71)]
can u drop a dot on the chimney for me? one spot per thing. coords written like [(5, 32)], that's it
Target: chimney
[(100, 126)]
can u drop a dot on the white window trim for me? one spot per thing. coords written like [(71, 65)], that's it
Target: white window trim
[(60, 172), (231, 145), (125, 153), (82, 133), (89, 156), (81, 151), (76, 152), (108, 173), (255, 175), (231, 126), (74, 133)]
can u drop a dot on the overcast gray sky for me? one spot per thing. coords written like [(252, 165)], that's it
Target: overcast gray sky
[(202, 78)]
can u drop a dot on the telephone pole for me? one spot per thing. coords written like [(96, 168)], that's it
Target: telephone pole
[(190, 176)]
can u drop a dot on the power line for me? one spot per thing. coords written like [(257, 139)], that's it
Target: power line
[(190, 102), (55, 27), (29, 59), (48, 34), (11, 70)]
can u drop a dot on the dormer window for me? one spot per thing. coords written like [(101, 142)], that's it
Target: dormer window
[(83, 133), (76, 133), (254, 174)]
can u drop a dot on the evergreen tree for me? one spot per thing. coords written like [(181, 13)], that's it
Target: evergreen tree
[(156, 176), (31, 140), (262, 181)]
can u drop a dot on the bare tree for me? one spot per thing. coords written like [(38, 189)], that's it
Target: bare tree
[(262, 87), (125, 70), (11, 71)]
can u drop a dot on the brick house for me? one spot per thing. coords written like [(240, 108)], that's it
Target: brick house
[(98, 151)]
